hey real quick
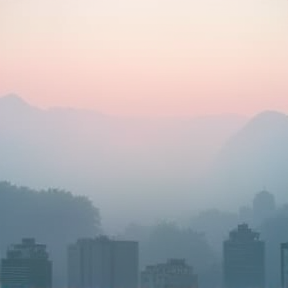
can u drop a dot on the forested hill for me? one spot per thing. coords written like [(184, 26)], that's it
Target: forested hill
[(53, 217)]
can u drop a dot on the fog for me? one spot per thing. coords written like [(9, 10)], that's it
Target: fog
[(145, 145), (177, 186), (125, 165), (171, 167)]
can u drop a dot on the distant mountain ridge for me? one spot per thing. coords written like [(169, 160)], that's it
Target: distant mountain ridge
[(109, 157), (255, 157), (155, 160), (118, 161), (12, 100)]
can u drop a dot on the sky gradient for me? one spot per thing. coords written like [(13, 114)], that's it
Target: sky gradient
[(147, 57)]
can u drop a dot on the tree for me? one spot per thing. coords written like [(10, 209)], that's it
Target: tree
[(54, 217)]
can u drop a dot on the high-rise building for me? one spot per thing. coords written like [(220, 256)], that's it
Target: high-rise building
[(173, 274), (284, 265), (27, 265), (103, 263), (244, 259)]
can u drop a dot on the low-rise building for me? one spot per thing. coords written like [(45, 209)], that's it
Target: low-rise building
[(175, 273)]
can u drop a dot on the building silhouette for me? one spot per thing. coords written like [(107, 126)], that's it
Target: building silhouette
[(284, 265), (264, 206), (244, 259), (173, 274), (103, 263), (26, 265)]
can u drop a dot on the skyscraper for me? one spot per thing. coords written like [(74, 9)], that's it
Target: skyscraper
[(244, 259), (173, 274), (103, 263), (284, 265), (27, 265)]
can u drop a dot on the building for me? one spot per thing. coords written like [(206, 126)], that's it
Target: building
[(284, 265), (244, 259), (103, 263), (173, 274), (264, 206), (27, 265)]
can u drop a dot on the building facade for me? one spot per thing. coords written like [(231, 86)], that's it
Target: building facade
[(244, 259), (26, 265), (173, 274), (103, 263), (284, 265)]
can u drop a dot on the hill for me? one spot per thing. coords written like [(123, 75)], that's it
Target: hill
[(114, 160), (254, 158)]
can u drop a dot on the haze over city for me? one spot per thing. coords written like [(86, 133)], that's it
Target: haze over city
[(143, 143)]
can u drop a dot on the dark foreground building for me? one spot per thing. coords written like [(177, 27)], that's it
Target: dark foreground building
[(27, 265), (244, 259), (103, 263), (284, 265), (173, 274)]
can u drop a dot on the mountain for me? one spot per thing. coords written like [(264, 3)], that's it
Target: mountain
[(12, 101), (123, 163), (253, 158)]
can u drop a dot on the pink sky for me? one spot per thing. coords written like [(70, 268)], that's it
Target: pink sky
[(147, 57)]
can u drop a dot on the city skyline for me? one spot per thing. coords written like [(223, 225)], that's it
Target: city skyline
[(92, 258), (144, 143)]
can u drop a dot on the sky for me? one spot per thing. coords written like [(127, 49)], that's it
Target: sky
[(147, 57)]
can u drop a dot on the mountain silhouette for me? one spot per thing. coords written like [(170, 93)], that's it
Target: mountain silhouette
[(12, 101), (254, 158), (114, 160)]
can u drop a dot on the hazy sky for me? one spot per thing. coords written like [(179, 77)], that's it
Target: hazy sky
[(148, 57)]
